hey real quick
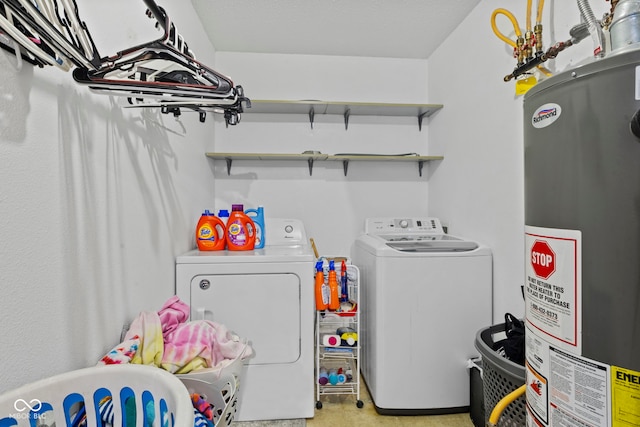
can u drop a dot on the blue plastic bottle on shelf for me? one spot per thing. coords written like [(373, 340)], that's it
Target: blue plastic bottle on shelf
[(224, 214), (257, 215), (333, 376)]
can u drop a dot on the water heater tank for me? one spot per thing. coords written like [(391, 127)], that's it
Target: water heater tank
[(582, 236), (625, 26)]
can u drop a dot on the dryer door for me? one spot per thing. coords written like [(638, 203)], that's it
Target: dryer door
[(261, 308)]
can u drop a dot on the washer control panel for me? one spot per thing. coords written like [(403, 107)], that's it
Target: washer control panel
[(403, 226)]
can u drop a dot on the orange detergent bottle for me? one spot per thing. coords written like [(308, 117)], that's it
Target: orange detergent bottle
[(210, 232), (241, 230), (334, 295), (322, 291)]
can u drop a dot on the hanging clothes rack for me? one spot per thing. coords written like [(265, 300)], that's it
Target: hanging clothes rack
[(162, 73), (22, 43), (49, 32)]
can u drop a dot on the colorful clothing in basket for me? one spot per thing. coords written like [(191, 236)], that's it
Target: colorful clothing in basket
[(203, 411), (166, 340)]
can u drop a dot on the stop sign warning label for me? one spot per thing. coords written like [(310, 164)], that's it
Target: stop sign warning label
[(553, 285), (543, 259)]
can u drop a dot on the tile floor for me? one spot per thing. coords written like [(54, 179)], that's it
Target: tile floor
[(341, 410)]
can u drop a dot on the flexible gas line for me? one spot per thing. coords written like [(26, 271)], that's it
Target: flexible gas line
[(539, 14), (503, 403), (524, 46), (513, 20), (537, 29)]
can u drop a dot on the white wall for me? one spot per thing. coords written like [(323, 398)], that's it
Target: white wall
[(95, 202), (332, 206), (478, 188)]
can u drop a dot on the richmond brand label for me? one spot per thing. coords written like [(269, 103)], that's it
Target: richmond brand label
[(545, 115)]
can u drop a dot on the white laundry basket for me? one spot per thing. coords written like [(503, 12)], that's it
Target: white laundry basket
[(150, 395), (219, 386)]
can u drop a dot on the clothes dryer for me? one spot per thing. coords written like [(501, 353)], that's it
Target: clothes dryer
[(424, 294), (265, 296)]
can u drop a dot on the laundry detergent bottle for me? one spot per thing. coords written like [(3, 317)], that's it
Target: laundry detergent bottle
[(224, 215), (321, 289), (257, 215), (241, 230), (210, 232)]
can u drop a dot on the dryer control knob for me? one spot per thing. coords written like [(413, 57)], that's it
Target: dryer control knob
[(404, 223), (288, 229)]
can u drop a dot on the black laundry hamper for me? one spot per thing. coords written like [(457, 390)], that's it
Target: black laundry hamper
[(500, 377)]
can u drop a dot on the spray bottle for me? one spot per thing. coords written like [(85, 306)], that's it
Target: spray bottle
[(334, 294), (344, 292), (257, 215), (210, 232), (322, 291)]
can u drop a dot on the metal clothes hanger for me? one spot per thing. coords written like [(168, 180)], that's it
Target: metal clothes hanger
[(157, 68), (161, 73), (166, 72), (68, 38), (10, 45), (31, 47)]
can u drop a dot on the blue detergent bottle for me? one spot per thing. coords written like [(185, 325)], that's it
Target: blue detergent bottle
[(257, 215), (224, 215)]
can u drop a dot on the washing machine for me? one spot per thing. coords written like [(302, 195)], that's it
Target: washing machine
[(424, 295), (266, 297)]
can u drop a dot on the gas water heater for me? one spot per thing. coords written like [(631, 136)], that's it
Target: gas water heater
[(582, 236)]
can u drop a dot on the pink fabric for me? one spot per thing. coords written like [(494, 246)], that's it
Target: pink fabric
[(208, 340), (173, 313), (165, 339)]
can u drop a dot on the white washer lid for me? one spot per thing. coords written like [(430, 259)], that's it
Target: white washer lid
[(381, 248)]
